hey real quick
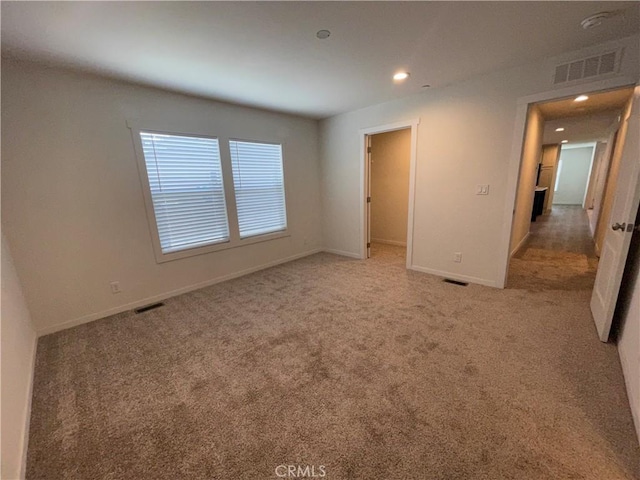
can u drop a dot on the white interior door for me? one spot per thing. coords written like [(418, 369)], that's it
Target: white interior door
[(617, 239)]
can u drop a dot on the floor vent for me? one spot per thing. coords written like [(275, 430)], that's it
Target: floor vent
[(146, 308), (456, 282), (588, 68)]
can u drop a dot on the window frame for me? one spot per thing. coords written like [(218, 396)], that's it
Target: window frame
[(229, 193), (284, 184)]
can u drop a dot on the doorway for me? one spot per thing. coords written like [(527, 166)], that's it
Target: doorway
[(390, 225), (388, 199), (575, 166), (557, 249), (565, 159)]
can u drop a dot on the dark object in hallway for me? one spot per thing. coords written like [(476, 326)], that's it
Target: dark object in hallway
[(538, 202)]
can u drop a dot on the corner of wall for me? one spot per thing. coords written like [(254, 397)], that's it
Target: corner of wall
[(27, 424), (19, 345)]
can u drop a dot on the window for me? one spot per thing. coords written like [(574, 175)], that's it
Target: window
[(187, 191), (189, 182), (259, 187)]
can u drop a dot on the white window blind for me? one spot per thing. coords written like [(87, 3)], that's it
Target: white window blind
[(185, 179), (259, 187)]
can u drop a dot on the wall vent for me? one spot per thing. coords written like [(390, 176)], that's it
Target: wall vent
[(588, 68)]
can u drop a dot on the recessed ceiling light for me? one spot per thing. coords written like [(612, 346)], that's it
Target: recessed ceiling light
[(564, 141), (581, 98), (559, 129), (401, 76), (322, 34)]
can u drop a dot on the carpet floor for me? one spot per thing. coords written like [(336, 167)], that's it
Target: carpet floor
[(362, 368)]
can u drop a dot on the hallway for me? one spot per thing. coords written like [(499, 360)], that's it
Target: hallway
[(558, 255)]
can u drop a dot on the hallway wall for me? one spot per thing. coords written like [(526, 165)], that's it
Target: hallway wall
[(596, 171), (550, 154), (527, 182), (390, 154), (604, 167)]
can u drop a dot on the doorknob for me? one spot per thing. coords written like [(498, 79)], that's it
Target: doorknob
[(619, 226)]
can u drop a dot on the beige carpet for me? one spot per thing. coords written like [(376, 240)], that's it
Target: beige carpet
[(362, 367)]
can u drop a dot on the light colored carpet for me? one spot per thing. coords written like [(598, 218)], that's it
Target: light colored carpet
[(362, 367)]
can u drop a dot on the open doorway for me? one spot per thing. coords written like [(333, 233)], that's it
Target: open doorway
[(574, 169), (388, 157), (566, 158), (390, 172), (574, 154)]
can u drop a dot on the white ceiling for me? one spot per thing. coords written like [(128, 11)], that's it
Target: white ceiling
[(266, 54), (589, 128), (588, 121)]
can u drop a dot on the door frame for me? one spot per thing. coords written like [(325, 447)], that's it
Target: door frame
[(515, 156), (363, 134)]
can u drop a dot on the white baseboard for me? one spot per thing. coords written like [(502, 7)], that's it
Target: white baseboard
[(389, 242), (27, 421), (163, 296), (455, 276), (521, 244), (342, 253)]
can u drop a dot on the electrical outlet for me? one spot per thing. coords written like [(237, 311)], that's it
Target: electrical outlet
[(115, 287), (482, 189), (457, 257)]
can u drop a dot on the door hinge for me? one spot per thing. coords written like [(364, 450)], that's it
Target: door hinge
[(368, 245), (368, 199), (368, 149)]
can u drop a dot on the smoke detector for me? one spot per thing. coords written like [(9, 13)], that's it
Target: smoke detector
[(596, 19)]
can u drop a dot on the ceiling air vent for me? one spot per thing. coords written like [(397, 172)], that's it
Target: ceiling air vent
[(587, 68)]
